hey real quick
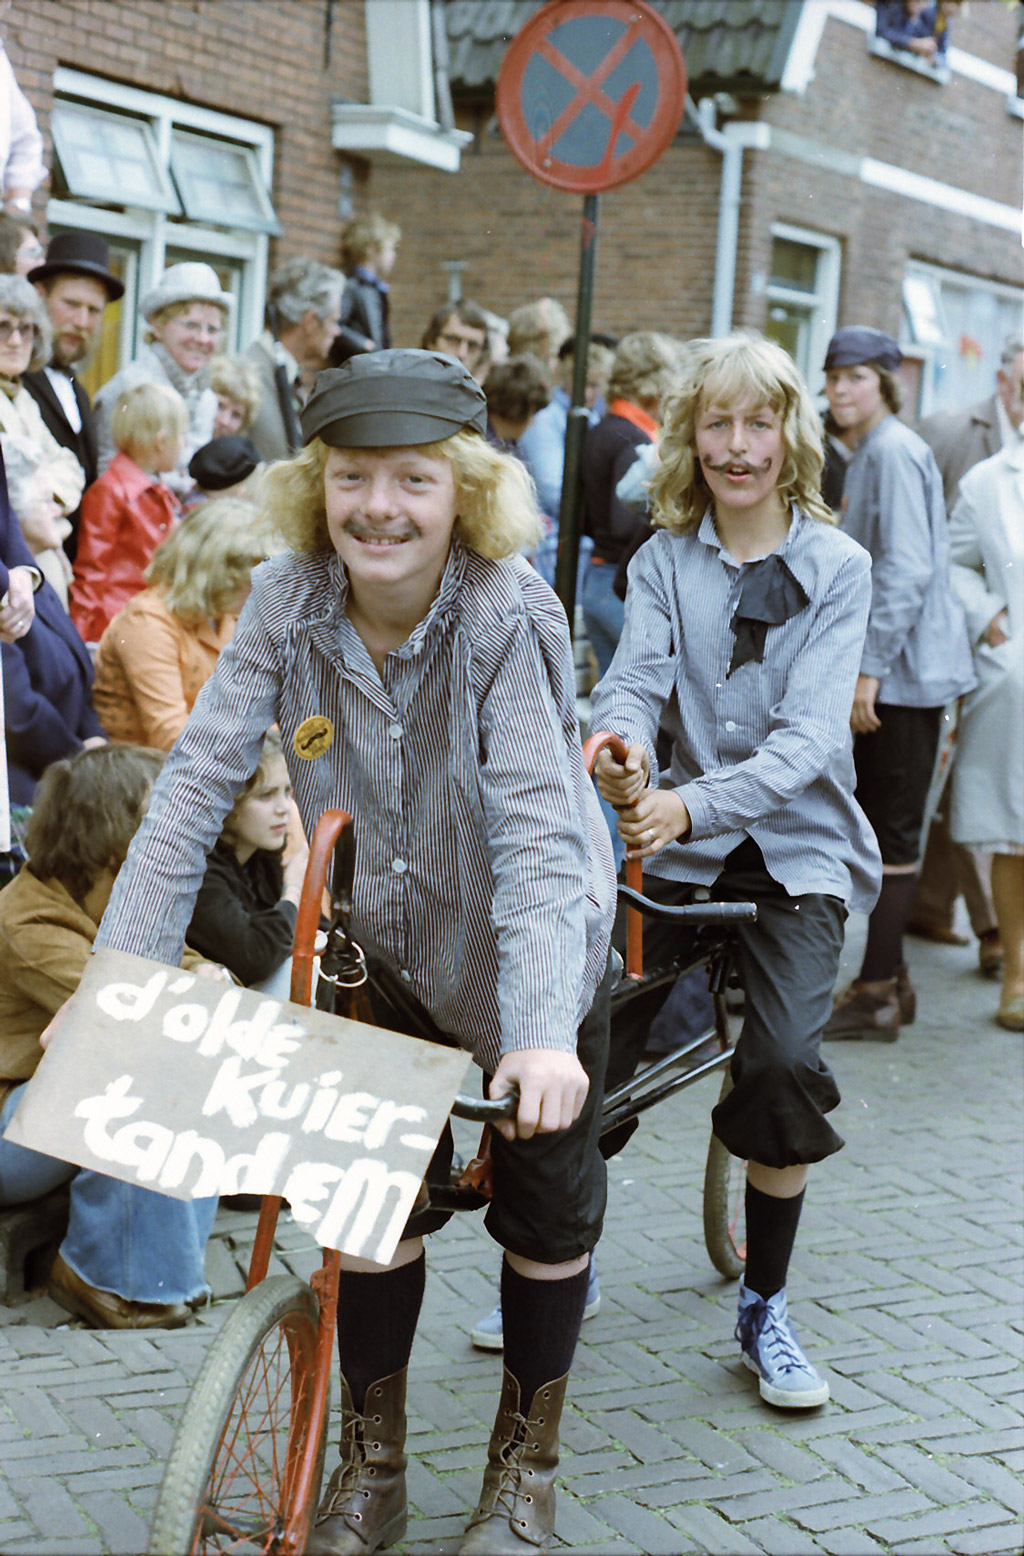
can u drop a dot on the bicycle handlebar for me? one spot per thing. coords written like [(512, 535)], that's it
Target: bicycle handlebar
[(690, 912), (482, 1110)]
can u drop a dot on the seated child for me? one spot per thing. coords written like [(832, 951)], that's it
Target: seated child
[(128, 511), (919, 26), (132, 1258), (235, 382), (244, 917)]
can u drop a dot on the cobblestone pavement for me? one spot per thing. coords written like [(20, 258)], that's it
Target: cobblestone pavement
[(906, 1288)]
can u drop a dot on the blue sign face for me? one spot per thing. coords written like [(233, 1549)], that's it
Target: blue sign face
[(591, 92), (572, 102)]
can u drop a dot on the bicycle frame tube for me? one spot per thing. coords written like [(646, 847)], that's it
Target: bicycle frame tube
[(605, 740)]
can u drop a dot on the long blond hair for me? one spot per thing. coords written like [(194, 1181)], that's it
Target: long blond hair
[(727, 371), (494, 495), (204, 563)]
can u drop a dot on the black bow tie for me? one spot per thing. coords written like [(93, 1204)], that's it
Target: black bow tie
[(769, 595), (58, 367)]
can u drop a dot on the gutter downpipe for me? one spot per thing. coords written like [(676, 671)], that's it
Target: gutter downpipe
[(730, 148)]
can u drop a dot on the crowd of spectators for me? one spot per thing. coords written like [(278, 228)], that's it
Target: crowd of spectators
[(135, 520)]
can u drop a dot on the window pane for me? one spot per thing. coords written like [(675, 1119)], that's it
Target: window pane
[(790, 327), (219, 182), (110, 157), (794, 265)]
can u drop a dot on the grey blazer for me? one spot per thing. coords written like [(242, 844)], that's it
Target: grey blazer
[(960, 440)]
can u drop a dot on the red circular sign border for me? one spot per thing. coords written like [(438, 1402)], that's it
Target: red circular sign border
[(658, 135)]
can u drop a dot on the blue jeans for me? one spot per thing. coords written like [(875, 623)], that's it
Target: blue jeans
[(121, 1238), (603, 613)]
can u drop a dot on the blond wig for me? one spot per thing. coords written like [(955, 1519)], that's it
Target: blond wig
[(729, 371), (494, 496), (203, 565)]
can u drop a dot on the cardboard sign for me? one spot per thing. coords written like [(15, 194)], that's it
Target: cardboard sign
[(166, 1079)]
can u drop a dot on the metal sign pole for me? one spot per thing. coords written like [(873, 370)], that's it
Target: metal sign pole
[(576, 426)]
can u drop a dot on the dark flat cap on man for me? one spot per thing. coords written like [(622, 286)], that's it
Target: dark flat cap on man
[(223, 462), (860, 343), (392, 399), (79, 254)]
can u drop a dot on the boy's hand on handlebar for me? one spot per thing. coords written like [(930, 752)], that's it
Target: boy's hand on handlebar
[(657, 818), (553, 1086), (622, 783)]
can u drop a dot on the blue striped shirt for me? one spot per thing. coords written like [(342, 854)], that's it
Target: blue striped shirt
[(766, 751), (483, 866)]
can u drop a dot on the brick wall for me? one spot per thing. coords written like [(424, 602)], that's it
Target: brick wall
[(259, 59), (264, 60)]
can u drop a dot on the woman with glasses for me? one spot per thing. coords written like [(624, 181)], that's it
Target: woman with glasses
[(185, 315), (45, 480)]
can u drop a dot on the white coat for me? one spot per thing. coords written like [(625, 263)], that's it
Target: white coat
[(987, 553)]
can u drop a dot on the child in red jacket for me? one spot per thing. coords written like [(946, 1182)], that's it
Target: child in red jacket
[(128, 511)]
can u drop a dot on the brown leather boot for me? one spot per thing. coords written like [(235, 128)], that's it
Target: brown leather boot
[(866, 1010), (364, 1506), (516, 1511), (906, 996)]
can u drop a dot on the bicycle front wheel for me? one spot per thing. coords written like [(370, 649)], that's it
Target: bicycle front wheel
[(231, 1478)]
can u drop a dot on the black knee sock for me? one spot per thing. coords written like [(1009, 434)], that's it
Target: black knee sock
[(771, 1233), (377, 1317), (883, 950), (541, 1322)]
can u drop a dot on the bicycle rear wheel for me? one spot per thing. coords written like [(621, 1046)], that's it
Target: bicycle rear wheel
[(231, 1478), (725, 1182)]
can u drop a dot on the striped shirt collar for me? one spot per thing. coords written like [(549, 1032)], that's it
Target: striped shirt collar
[(444, 601), (707, 532)]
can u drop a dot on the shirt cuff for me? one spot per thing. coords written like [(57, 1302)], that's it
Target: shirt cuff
[(699, 811)]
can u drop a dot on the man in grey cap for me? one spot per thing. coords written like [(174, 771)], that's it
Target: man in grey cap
[(437, 668), (917, 656)]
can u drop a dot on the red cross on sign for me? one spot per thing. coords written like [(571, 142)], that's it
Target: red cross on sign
[(591, 92)]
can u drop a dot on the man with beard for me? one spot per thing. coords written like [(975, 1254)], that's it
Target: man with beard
[(76, 284)]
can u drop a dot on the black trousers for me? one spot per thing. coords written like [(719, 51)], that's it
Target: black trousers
[(787, 963)]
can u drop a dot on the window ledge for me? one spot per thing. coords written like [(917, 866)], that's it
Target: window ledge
[(941, 74), (1015, 105), (394, 135)]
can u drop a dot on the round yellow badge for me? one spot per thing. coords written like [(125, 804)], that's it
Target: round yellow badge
[(313, 737)]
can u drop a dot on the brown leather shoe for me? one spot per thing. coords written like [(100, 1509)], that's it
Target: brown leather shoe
[(990, 954), (516, 1512), (364, 1506), (931, 929), (105, 1310), (866, 1010)]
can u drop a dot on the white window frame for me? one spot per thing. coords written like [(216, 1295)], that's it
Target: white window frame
[(823, 304), (927, 352), (152, 231)]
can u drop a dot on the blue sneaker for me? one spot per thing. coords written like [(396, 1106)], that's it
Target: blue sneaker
[(770, 1349), (488, 1334)]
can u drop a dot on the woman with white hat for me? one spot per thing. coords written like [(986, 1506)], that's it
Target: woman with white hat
[(185, 314)]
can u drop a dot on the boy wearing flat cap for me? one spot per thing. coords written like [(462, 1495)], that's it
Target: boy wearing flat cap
[(917, 654), (442, 664)]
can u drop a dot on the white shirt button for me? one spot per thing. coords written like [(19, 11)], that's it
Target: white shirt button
[(396, 731), (399, 866), (730, 724), (405, 975)]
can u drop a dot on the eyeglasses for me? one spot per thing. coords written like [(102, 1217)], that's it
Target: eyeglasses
[(208, 331), (23, 328), (470, 343)]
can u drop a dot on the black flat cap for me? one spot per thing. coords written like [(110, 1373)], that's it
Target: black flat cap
[(79, 254), (859, 343), (223, 462), (391, 399)]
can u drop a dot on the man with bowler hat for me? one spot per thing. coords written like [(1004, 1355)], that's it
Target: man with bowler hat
[(76, 283)]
